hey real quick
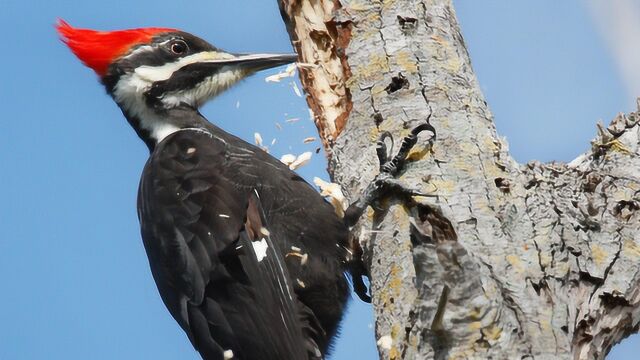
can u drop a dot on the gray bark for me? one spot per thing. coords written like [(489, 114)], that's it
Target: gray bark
[(504, 260)]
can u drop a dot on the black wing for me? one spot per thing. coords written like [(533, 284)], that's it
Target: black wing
[(197, 224), (267, 273)]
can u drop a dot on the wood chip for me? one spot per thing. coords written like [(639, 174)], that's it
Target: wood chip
[(306, 65), (301, 160), (288, 72), (334, 194), (304, 258), (287, 159), (258, 138), (264, 231), (296, 89)]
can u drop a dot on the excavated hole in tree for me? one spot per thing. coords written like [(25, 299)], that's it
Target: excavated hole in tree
[(397, 83), (407, 23), (503, 184)]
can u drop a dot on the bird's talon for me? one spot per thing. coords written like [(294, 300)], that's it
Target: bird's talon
[(385, 181), (383, 184)]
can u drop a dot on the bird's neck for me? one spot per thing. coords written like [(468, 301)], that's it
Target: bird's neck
[(153, 125)]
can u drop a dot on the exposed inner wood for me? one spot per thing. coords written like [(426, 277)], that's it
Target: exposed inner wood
[(320, 36)]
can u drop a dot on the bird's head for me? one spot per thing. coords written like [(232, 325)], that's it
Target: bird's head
[(151, 70)]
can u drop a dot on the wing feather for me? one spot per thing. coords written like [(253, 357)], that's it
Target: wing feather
[(200, 217)]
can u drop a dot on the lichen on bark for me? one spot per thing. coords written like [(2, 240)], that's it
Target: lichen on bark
[(503, 260)]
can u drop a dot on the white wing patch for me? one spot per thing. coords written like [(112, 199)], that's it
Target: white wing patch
[(260, 248)]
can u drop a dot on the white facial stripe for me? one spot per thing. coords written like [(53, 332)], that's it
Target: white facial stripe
[(159, 131), (128, 93), (207, 89), (130, 89), (164, 72)]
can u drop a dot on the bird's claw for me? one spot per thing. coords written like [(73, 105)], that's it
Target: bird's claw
[(395, 165), (385, 183)]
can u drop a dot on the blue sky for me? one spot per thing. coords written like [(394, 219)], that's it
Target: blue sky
[(76, 283)]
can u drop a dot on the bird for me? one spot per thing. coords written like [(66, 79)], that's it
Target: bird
[(249, 259)]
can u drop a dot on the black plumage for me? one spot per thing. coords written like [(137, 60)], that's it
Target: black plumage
[(249, 259), (193, 202)]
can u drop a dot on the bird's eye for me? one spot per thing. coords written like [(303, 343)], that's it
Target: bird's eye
[(178, 47)]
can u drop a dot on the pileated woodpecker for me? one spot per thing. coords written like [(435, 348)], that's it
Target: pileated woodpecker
[(248, 258)]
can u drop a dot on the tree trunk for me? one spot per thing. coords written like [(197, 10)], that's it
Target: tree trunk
[(504, 260)]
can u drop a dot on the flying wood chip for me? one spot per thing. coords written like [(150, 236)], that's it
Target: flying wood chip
[(301, 160), (334, 194), (288, 72)]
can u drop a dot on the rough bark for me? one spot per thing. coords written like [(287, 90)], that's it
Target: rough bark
[(505, 260)]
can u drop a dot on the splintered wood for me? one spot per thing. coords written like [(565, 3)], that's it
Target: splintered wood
[(319, 40), (295, 162)]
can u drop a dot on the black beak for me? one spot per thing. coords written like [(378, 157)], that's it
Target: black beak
[(249, 63), (257, 62)]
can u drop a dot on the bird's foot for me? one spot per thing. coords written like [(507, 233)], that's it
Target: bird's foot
[(384, 185)]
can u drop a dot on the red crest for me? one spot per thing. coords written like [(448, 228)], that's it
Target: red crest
[(99, 49)]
